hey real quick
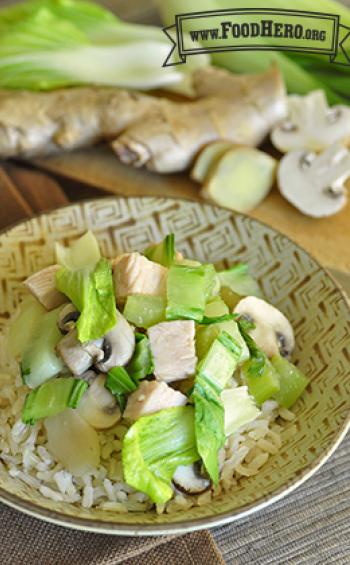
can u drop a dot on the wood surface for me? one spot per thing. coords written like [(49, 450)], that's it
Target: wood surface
[(327, 239)]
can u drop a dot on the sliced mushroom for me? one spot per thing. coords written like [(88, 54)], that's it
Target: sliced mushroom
[(273, 332), (118, 345), (311, 124), (98, 406), (67, 318), (315, 183), (188, 480), (79, 357), (43, 286)]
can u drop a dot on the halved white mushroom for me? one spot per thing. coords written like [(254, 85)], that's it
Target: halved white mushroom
[(188, 480), (79, 357), (43, 286), (315, 183), (98, 406), (311, 124), (118, 345), (272, 333), (67, 318)]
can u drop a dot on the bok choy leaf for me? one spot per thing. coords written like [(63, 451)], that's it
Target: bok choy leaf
[(154, 447), (92, 293), (53, 397), (46, 44)]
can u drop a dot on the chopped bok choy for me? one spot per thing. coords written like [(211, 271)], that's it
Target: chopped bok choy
[(141, 363), (164, 252), (239, 408), (145, 310), (154, 447), (92, 293), (213, 374), (187, 288), (53, 397), (39, 360), (292, 381)]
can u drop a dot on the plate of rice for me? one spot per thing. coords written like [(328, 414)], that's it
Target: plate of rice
[(165, 366)]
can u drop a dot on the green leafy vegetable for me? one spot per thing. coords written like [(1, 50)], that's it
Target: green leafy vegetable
[(141, 363), (119, 383), (39, 360), (46, 44), (292, 381), (212, 283), (209, 425), (24, 325), (207, 320), (144, 310), (213, 373), (53, 397), (92, 293), (154, 447), (84, 253), (207, 332), (258, 358), (186, 292), (162, 253), (239, 281), (239, 408), (261, 385)]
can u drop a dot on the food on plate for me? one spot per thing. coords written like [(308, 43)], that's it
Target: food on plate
[(311, 124), (168, 139), (240, 179), (145, 401), (315, 183)]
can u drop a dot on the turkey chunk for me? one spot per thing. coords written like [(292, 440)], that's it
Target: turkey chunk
[(135, 274), (43, 286), (173, 349), (150, 397)]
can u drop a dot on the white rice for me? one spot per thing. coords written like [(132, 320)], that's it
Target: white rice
[(26, 458)]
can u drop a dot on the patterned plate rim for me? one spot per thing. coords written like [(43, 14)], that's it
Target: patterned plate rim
[(106, 527)]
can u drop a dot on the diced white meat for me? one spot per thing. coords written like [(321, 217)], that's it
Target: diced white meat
[(118, 345), (43, 286), (150, 397), (135, 274), (79, 356), (173, 349)]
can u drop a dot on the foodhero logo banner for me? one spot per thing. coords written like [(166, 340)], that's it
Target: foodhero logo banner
[(258, 29)]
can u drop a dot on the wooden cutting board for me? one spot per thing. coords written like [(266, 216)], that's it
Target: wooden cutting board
[(326, 239)]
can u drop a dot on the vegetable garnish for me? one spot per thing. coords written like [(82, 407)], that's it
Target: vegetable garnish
[(258, 358), (155, 446), (40, 361), (239, 281), (262, 385), (93, 295), (292, 381), (239, 407), (145, 310), (141, 363), (119, 383), (53, 397), (212, 375), (186, 292), (163, 252)]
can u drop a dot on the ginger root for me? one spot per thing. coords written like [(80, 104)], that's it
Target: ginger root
[(160, 134), (241, 109)]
